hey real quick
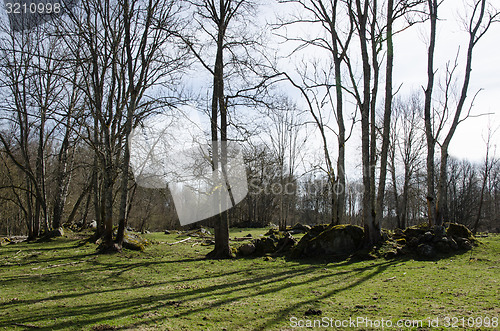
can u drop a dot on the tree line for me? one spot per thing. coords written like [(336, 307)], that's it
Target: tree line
[(74, 88)]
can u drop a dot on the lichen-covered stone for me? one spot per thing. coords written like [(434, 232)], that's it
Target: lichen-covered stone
[(428, 236), (334, 240), (301, 227), (134, 242), (443, 246), (285, 243), (401, 241), (415, 231), (247, 249), (413, 242), (453, 243), (459, 231), (317, 229), (271, 232), (264, 246), (464, 243), (439, 231), (398, 233)]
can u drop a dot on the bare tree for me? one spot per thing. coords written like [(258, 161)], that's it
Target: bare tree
[(407, 145), (149, 28), (371, 35), (123, 50), (287, 145), (37, 107), (482, 16), (489, 163), (225, 24), (323, 89), (431, 144)]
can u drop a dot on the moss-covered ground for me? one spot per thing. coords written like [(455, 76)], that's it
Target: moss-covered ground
[(64, 284)]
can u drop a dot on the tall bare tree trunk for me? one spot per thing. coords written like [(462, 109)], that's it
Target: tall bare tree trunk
[(62, 178), (340, 188), (107, 191), (40, 206), (431, 142), (387, 112), (372, 229), (221, 226), (131, 104), (373, 106), (476, 30)]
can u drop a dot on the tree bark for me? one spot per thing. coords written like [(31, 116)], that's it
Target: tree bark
[(387, 112), (222, 248), (431, 143), (372, 229)]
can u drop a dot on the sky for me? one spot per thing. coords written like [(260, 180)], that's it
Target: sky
[(411, 71), (410, 74)]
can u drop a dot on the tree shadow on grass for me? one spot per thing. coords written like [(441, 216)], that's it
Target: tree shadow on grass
[(119, 308), (377, 269), (241, 288), (61, 277), (34, 260), (261, 280), (280, 285)]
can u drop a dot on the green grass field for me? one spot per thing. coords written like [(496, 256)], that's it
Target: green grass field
[(62, 284)]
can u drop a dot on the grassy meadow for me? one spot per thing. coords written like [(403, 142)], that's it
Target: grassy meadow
[(64, 284)]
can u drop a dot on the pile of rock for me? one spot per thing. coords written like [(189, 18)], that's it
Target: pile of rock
[(274, 244), (319, 240), (427, 242), (334, 241), (4, 241), (299, 228), (12, 240)]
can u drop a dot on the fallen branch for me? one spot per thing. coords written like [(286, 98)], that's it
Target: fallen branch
[(180, 241)]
